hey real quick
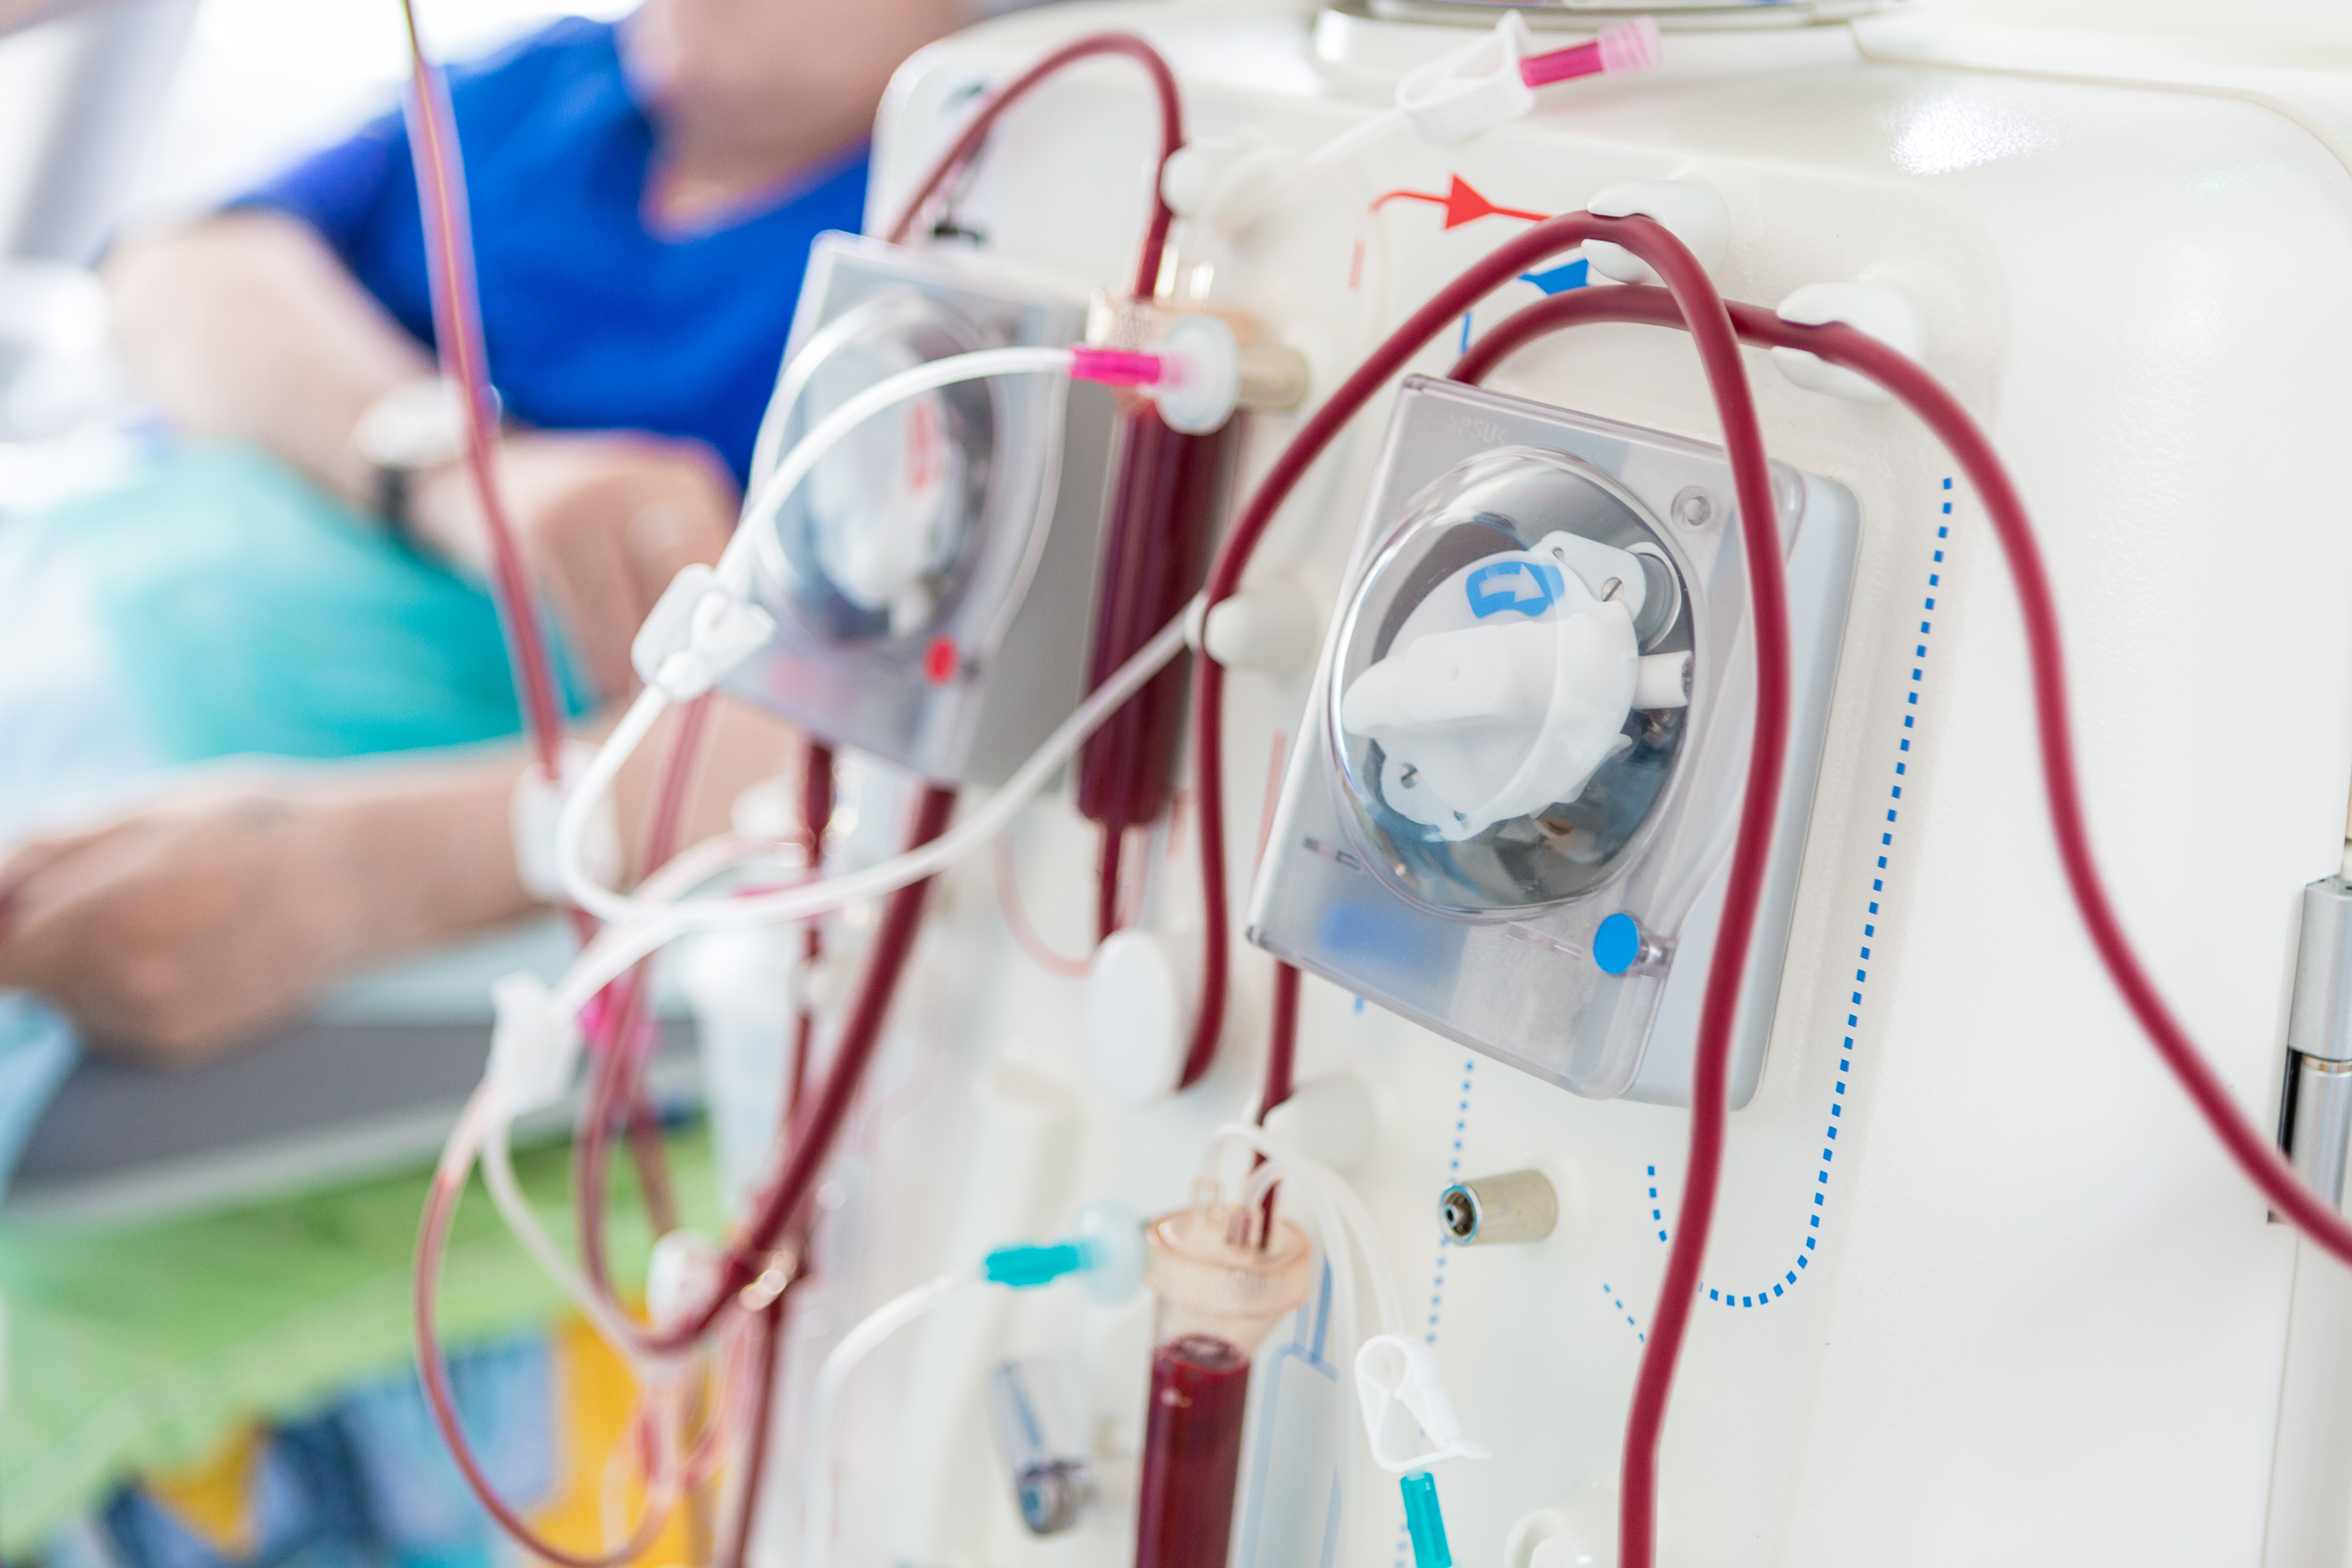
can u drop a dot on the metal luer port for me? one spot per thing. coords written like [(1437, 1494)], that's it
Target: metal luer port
[(2316, 1112), (2319, 1122), (1518, 1206)]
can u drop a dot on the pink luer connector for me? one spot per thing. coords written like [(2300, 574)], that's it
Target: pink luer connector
[(1116, 367), (1631, 45)]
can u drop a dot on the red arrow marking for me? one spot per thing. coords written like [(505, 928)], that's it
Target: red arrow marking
[(1463, 203)]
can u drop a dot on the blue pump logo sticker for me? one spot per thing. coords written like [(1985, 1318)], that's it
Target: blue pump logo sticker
[(1530, 588)]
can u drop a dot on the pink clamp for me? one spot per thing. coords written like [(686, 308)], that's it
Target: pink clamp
[(1631, 46), (1116, 367)]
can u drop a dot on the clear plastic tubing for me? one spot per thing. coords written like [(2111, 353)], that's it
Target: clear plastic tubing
[(1219, 1292)]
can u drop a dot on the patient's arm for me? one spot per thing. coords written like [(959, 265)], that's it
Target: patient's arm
[(15, 14), (247, 326), (188, 927)]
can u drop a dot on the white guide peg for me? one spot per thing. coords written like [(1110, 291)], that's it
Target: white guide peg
[(1269, 627), (1330, 1120), (1224, 182), (1882, 312), (1141, 995), (1579, 1533), (1576, 1533), (1693, 212), (1465, 91), (1194, 170)]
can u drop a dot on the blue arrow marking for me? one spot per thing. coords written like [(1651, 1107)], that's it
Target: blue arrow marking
[(1531, 588), (1560, 280)]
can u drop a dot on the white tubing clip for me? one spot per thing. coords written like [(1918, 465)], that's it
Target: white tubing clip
[(1471, 89), (533, 818), (701, 629), (1393, 1370), (1692, 213), (1886, 313), (684, 1272), (534, 1048)]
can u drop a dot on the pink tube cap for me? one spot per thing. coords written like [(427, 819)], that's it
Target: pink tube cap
[(1630, 46), (1114, 367)]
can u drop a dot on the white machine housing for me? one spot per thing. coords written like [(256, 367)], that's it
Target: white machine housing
[(1981, 1289)]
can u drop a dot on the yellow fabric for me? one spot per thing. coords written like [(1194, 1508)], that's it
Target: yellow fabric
[(213, 1496), (130, 1348), (596, 1396)]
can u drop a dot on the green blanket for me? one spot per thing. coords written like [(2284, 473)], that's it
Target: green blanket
[(250, 613), (138, 1346)]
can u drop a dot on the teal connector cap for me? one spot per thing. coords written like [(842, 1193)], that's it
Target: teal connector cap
[(1423, 1522), (1024, 1267), (1105, 1250)]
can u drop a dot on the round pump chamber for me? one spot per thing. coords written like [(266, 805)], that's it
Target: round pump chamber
[(877, 541), (1511, 689)]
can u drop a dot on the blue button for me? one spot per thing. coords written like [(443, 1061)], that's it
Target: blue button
[(1617, 944)]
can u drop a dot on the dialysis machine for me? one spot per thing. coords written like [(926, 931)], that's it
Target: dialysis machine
[(1487, 684)]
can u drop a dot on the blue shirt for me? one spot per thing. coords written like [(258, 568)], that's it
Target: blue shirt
[(594, 320)]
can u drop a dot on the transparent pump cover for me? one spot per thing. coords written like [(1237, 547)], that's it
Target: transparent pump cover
[(880, 540), (932, 579), (1531, 725), (1481, 709)]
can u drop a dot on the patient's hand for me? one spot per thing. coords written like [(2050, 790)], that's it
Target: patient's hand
[(196, 923), (606, 520), (188, 927)]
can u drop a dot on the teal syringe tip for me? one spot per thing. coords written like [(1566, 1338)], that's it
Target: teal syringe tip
[(1025, 1268), (1423, 1521), (1105, 1251)]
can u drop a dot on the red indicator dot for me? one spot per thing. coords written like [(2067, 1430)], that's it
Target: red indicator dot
[(940, 661)]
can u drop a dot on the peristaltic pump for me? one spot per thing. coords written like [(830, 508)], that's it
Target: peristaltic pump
[(1511, 808)]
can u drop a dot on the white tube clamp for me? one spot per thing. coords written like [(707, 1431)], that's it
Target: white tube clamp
[(1692, 213), (1393, 1370), (701, 629), (1466, 90), (1884, 313), (533, 1047), (535, 814)]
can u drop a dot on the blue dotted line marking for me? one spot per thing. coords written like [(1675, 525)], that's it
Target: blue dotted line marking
[(1445, 1244), (1453, 1174), (1772, 1291), (1631, 1321)]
